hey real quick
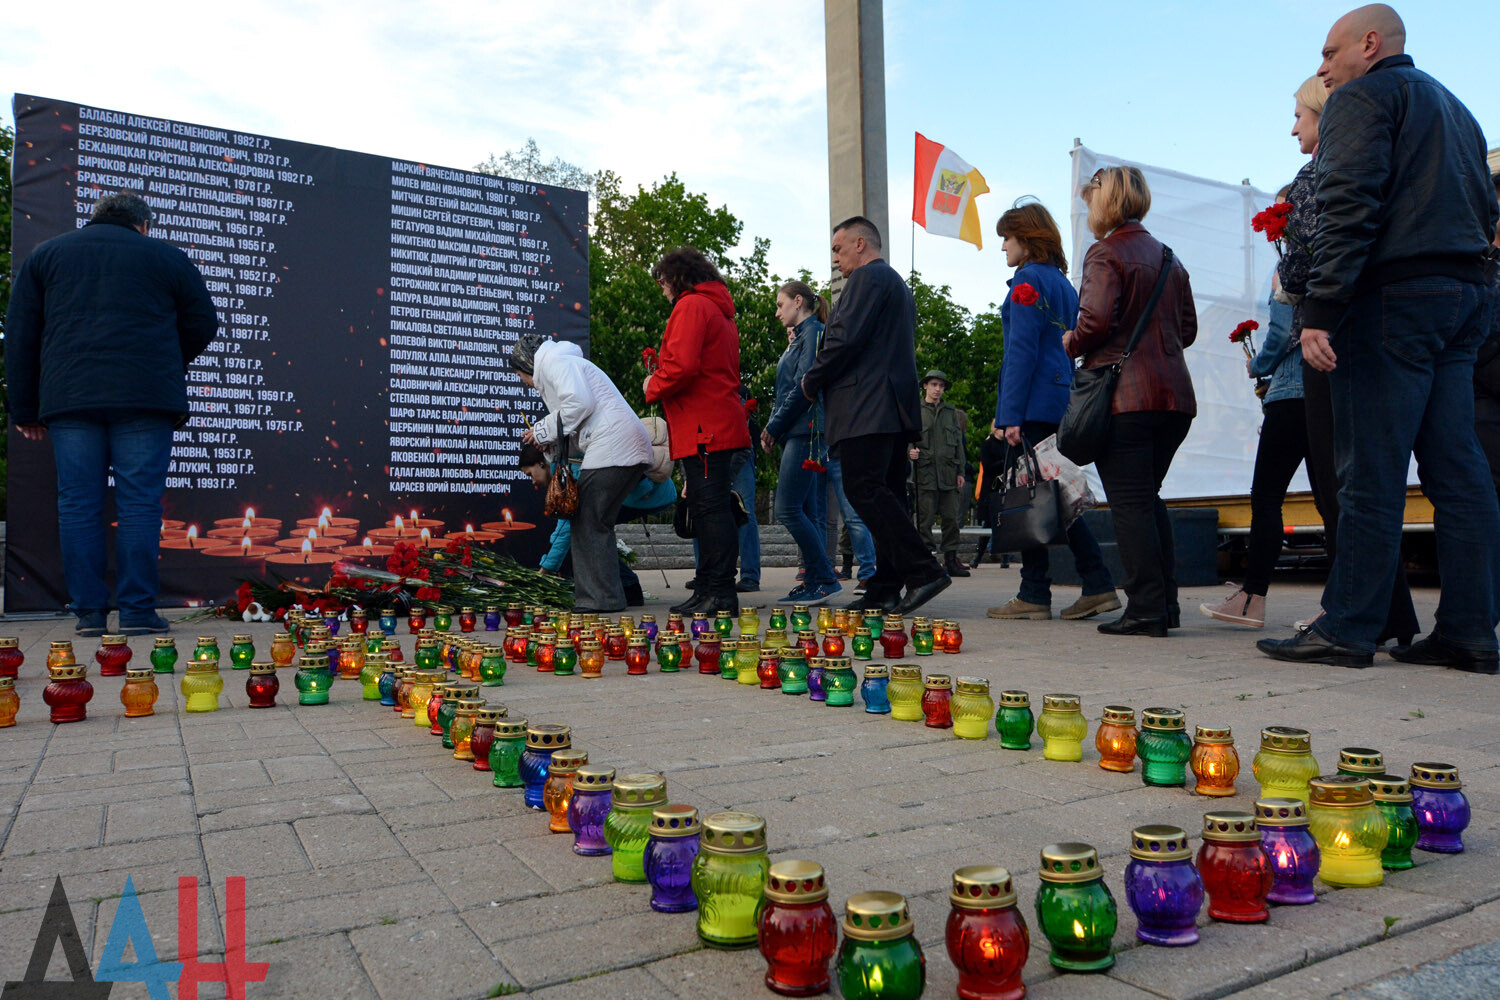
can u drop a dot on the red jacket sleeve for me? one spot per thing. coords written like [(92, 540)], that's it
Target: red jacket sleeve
[(680, 358)]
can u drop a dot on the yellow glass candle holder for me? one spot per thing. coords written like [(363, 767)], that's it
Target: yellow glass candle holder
[(1213, 761), (971, 708), (1350, 830), (1284, 764), (1116, 738), (905, 692), (1062, 727), (201, 686), (461, 729)]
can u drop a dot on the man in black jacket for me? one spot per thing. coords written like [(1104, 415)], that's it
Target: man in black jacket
[(1394, 312), (102, 324), (867, 372)]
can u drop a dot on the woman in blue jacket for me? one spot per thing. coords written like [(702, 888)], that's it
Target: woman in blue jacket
[(1035, 377)]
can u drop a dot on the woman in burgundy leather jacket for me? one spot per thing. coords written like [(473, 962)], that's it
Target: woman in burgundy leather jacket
[(1153, 402)]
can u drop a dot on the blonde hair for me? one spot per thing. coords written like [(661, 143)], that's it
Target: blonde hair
[(1115, 196), (1312, 95)]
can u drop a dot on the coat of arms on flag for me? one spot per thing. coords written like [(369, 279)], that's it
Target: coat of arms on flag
[(944, 192)]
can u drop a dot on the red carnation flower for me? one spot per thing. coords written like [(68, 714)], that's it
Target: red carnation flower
[(1243, 331), (1024, 294), (813, 466), (752, 404)]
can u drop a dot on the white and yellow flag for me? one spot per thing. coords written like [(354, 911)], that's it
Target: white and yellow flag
[(944, 192)]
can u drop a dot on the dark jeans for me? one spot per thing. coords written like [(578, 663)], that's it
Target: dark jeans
[(1134, 463), (597, 583), (795, 488), (1322, 470), (742, 481), (1282, 447), (1036, 580), (875, 468), (1487, 425), (707, 476), (1404, 386), (137, 448)]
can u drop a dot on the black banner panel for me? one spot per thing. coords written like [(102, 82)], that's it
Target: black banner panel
[(359, 378)]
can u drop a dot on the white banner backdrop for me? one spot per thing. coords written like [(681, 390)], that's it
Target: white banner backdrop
[(1207, 225)]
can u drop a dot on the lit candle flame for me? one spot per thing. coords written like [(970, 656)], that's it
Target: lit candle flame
[(327, 514), (192, 534), (247, 523), (426, 537), (1341, 839), (368, 544), (306, 548), (507, 515), (468, 529), (323, 520), (245, 546), (311, 534), (414, 515), (400, 525), (250, 513)]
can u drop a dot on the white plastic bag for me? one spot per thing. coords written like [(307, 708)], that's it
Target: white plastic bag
[(1074, 494)]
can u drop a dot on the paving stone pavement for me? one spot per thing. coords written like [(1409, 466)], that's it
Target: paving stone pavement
[(377, 866)]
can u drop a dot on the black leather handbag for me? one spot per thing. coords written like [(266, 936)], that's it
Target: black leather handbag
[(1025, 515), (1084, 432)]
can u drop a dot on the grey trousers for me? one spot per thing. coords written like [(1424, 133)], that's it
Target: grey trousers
[(596, 563)]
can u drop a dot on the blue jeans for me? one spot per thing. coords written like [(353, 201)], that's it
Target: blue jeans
[(859, 535), (137, 446), (1404, 385), (795, 489), (742, 481)]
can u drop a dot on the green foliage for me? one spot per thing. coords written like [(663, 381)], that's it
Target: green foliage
[(966, 348)]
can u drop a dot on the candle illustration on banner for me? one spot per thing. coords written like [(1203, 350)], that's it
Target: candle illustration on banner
[(189, 540)]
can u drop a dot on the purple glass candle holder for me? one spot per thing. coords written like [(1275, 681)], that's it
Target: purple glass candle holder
[(1293, 851), (1441, 808), (815, 680), (492, 619), (333, 623), (1162, 887), (670, 853), (592, 797)]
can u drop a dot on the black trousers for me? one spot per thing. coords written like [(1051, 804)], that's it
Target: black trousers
[(1401, 620), (875, 468), (1132, 468), (1283, 446), (1487, 424), (707, 475)]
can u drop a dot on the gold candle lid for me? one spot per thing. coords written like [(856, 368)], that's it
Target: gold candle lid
[(319, 660), (1285, 739), (466, 611), (548, 737), (515, 606), (1167, 719), (121, 640), (71, 672), (648, 619), (893, 623), (1069, 862), (1390, 788), (490, 609), (389, 644), (877, 916), (9, 683), (796, 882), (873, 670), (238, 640), (637, 639), (939, 682), (171, 642), (489, 716), (67, 644), (1339, 790), (378, 658), (906, 672), (13, 642), (358, 613), (837, 663), (778, 610), (1159, 843), (1213, 734), (213, 640), (510, 728), (640, 790), (1361, 760), (1229, 826), (469, 706), (799, 609), (567, 761), (1118, 715), (146, 673), (1015, 699), (982, 887), (973, 685), (724, 613), (1061, 703), (262, 667), (807, 635), (350, 642), (492, 651), (1433, 775), (710, 639), (675, 820), (734, 833), (861, 632)]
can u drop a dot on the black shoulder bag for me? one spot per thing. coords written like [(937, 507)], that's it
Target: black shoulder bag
[(1084, 431)]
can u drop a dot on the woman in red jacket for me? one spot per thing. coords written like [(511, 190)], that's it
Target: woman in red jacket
[(697, 383), (1153, 403)]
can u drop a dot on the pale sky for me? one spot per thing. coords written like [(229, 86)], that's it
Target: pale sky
[(730, 94)]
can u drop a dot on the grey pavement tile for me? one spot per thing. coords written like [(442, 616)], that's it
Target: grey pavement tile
[(142, 820), (233, 775), (146, 758), (1472, 973), (431, 957), (458, 779), (42, 831), (1074, 986), (375, 905), (229, 798), (1224, 959), (473, 827), (123, 858), (399, 788), (254, 850), (274, 810), (19, 929), (66, 765), (567, 953), (128, 790), (277, 889), (712, 974), (309, 767), (477, 878), (552, 911), (353, 744), (335, 840), (162, 911), (326, 967), (627, 984)]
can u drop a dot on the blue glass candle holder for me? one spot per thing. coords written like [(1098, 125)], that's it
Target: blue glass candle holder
[(1440, 805), (1162, 887), (541, 742), (1284, 833), (388, 684), (670, 853), (388, 622), (873, 689), (593, 795)]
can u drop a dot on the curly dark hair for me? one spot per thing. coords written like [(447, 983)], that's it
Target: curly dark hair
[(684, 268)]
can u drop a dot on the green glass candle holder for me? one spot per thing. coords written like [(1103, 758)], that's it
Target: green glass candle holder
[(729, 879), (880, 958), (863, 644), (241, 652), (1362, 762), (728, 669), (628, 825), (669, 652), (1014, 721), (801, 618), (369, 676), (1393, 799), (1164, 747), (492, 666), (724, 624), (164, 655), (922, 641), (1074, 908), (505, 753), (564, 660), (1062, 727), (792, 669), (778, 620), (313, 680), (839, 682)]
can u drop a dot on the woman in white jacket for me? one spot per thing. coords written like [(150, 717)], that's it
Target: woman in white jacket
[(584, 405)]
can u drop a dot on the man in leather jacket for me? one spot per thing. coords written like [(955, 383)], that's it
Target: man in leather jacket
[(1395, 312)]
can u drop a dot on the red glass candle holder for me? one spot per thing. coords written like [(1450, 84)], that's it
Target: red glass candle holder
[(112, 655), (953, 637), (833, 644), (467, 619), (546, 657), (359, 621), (615, 645), (68, 694), (262, 684), (893, 640), (11, 656), (937, 700), (986, 935), (1235, 867), (417, 620), (808, 640), (707, 653), (796, 929), (637, 655), (514, 614), (769, 670)]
